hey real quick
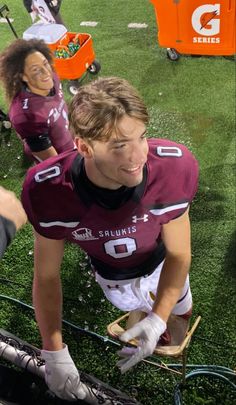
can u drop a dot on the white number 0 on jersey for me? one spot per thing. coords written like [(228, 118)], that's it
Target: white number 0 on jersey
[(120, 247), (169, 151)]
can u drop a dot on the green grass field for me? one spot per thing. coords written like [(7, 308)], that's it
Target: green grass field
[(191, 101)]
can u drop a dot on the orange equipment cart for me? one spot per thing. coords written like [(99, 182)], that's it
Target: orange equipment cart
[(196, 27), (72, 67)]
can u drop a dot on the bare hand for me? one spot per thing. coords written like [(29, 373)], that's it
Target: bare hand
[(11, 208)]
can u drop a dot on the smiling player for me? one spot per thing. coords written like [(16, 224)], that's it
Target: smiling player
[(38, 111), (124, 199)]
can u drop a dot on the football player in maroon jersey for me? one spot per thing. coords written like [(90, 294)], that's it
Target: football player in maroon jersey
[(38, 111), (124, 199)]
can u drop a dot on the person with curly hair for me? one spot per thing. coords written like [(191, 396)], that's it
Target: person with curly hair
[(38, 111)]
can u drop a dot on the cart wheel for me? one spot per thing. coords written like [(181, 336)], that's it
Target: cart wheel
[(73, 86), (230, 57), (94, 68), (172, 54), (6, 124)]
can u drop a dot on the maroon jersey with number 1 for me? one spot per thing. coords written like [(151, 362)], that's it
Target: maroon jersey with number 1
[(33, 115)]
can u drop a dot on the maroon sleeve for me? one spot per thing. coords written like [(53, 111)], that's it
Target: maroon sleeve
[(30, 122), (43, 188), (173, 172)]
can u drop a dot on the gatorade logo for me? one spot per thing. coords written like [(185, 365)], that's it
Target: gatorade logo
[(206, 22)]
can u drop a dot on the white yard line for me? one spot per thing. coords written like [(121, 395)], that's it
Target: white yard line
[(89, 23), (130, 25), (4, 20), (137, 25)]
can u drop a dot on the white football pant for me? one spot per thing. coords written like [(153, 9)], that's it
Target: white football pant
[(134, 294)]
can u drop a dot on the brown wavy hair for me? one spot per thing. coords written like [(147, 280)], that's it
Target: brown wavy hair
[(12, 62), (96, 109)]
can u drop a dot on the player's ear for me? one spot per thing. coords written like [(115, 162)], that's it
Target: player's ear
[(24, 78), (83, 147)]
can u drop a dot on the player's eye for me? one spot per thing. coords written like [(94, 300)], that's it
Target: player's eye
[(119, 146), (47, 65), (36, 71)]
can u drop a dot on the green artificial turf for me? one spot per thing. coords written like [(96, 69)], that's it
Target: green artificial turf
[(191, 101)]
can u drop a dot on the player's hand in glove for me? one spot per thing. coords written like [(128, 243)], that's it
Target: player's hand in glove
[(148, 332), (61, 375), (33, 16)]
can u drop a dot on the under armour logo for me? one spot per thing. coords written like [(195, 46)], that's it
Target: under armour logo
[(136, 219)]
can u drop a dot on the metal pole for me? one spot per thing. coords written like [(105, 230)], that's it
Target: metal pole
[(4, 11), (94, 391)]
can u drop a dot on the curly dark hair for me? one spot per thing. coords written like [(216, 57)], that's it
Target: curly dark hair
[(12, 62)]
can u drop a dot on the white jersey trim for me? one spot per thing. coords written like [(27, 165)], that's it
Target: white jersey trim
[(58, 223), (160, 211)]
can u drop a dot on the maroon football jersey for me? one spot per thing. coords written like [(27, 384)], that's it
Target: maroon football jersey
[(32, 115), (122, 242)]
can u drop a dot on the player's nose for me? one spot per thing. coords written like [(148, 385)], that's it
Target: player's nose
[(44, 71)]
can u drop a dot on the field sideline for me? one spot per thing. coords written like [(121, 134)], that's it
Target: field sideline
[(191, 101)]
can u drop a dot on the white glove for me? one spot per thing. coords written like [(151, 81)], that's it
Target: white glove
[(148, 332), (33, 15), (61, 375)]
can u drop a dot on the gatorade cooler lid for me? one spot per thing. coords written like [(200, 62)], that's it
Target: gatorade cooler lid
[(49, 33)]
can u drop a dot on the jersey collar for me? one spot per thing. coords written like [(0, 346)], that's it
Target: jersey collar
[(78, 177)]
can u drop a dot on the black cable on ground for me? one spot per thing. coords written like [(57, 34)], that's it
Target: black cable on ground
[(216, 372), (104, 339), (207, 371)]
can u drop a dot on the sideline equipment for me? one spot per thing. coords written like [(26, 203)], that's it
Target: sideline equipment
[(28, 357)]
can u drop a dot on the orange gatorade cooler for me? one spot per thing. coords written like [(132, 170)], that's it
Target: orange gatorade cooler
[(196, 27), (69, 66)]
